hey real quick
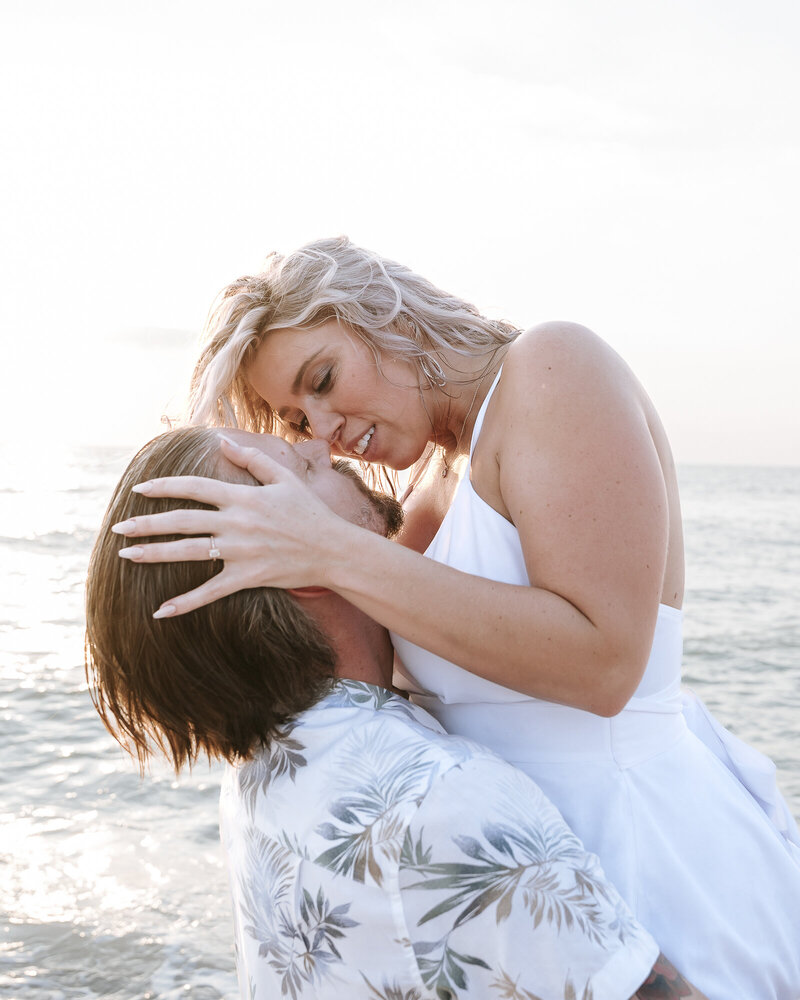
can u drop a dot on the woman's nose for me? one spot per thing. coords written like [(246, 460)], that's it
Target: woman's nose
[(315, 450), (325, 425)]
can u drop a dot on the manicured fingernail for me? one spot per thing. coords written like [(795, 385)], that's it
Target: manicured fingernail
[(142, 487), (131, 553), (123, 527), (228, 440), (167, 611)]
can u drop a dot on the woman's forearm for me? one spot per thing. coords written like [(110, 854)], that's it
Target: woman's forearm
[(522, 637)]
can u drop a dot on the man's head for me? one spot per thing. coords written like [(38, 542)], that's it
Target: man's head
[(222, 679), (337, 483)]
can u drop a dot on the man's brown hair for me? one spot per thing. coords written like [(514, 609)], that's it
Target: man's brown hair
[(219, 680)]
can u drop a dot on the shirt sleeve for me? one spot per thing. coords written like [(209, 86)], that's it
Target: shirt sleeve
[(502, 900)]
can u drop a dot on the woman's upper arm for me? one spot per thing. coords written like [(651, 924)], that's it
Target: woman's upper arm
[(580, 478)]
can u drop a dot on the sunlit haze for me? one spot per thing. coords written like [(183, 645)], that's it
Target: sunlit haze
[(629, 165)]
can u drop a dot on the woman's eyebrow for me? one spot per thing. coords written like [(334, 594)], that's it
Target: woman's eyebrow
[(302, 370)]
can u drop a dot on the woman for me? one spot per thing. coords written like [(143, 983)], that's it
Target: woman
[(546, 621)]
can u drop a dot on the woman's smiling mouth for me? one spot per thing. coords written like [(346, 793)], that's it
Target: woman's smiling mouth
[(361, 445)]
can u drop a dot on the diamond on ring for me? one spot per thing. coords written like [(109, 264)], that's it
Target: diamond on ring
[(213, 552)]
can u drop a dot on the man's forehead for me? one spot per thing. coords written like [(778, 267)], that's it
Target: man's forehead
[(233, 473), (252, 439)]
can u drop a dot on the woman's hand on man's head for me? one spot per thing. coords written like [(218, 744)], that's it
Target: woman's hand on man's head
[(266, 536)]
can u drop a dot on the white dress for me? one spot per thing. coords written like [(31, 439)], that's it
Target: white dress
[(686, 819)]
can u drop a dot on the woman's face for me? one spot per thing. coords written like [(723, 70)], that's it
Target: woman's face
[(324, 382)]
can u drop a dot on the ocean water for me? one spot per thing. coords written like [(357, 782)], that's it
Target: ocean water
[(113, 886)]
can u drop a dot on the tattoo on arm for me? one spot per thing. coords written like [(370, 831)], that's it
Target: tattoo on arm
[(666, 983)]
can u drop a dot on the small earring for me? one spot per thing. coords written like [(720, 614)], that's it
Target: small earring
[(432, 370)]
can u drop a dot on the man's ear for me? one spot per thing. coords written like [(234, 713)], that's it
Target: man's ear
[(306, 593)]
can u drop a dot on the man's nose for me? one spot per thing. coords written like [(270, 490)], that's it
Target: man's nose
[(316, 450)]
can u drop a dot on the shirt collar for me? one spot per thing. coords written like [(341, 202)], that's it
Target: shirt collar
[(347, 693)]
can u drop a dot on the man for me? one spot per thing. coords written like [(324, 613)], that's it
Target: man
[(370, 854)]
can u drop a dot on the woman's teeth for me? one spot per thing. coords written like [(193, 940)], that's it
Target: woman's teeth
[(361, 447)]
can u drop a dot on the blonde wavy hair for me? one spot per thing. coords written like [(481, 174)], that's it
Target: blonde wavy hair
[(395, 312)]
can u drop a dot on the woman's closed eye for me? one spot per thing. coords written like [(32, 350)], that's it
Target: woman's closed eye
[(299, 425), (323, 382)]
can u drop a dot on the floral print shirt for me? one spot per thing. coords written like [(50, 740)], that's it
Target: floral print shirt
[(373, 856)]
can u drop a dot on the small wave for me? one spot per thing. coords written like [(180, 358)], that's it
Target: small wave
[(51, 541), (75, 960)]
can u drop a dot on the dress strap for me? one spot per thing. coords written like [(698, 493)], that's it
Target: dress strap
[(476, 430)]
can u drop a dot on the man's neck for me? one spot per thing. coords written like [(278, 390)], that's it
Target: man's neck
[(366, 657), (363, 648)]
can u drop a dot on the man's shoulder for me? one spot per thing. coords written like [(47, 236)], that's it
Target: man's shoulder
[(384, 718), (359, 743), (354, 718), (338, 789)]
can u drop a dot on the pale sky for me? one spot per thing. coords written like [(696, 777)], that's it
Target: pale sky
[(631, 165)]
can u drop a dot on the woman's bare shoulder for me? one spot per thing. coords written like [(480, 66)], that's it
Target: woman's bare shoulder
[(559, 342), (554, 361)]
